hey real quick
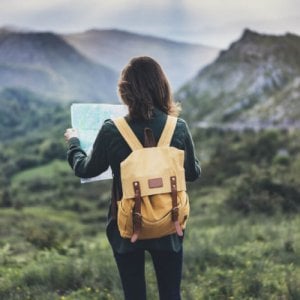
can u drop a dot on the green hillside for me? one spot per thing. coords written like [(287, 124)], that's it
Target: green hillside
[(242, 240), (22, 112)]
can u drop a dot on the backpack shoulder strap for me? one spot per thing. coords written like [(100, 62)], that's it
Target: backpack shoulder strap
[(168, 131), (127, 134)]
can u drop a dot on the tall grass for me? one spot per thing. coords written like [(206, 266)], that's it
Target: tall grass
[(227, 255)]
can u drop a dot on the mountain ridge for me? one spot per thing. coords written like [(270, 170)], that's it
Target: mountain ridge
[(45, 63), (88, 67), (251, 72), (141, 35), (115, 47)]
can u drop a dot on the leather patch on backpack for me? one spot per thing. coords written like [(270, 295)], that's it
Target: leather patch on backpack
[(155, 183)]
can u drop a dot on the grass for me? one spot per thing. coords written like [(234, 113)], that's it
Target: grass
[(227, 255), (54, 245), (232, 256)]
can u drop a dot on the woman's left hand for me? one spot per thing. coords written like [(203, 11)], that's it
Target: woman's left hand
[(70, 133)]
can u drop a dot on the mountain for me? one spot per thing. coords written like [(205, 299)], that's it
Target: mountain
[(45, 63), (257, 80), (114, 48)]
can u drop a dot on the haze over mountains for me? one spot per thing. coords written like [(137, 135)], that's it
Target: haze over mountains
[(114, 48), (46, 64), (255, 81), (88, 70)]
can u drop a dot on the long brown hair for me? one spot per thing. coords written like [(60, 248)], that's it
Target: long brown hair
[(143, 86)]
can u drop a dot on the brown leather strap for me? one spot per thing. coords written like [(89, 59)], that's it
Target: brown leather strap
[(175, 206), (137, 216), (174, 198), (149, 140)]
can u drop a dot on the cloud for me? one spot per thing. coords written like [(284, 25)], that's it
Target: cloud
[(215, 22)]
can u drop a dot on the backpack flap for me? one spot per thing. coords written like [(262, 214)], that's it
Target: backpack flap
[(153, 168)]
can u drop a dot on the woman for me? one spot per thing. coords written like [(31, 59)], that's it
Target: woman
[(144, 88)]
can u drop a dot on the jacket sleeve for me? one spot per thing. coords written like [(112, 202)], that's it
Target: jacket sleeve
[(87, 166), (191, 163)]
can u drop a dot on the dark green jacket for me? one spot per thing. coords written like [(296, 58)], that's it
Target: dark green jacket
[(110, 149)]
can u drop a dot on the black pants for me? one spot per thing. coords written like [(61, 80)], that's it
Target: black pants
[(168, 269)]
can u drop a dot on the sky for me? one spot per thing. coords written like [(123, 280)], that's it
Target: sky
[(209, 22)]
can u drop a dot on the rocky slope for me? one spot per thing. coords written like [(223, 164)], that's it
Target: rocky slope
[(255, 81)]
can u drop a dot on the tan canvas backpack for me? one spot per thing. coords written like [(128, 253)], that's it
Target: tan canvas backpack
[(154, 202)]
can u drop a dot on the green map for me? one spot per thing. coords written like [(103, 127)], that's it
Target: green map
[(88, 118)]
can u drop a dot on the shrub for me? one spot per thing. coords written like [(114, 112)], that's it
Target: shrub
[(5, 199), (48, 234), (42, 237), (261, 194), (265, 147), (52, 149), (27, 162)]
